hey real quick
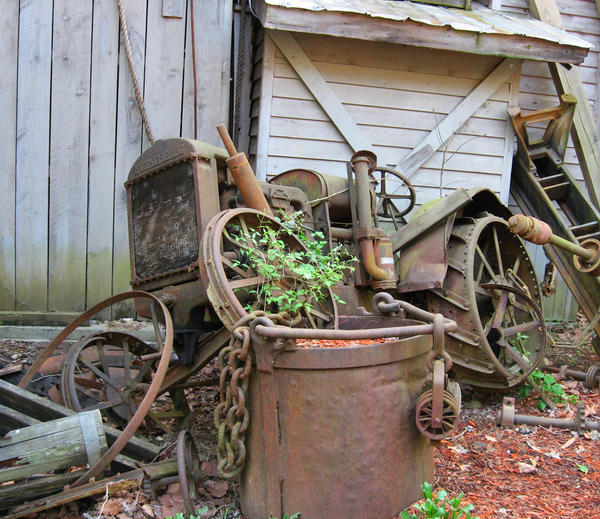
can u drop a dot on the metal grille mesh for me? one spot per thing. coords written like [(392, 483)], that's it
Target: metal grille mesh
[(164, 221)]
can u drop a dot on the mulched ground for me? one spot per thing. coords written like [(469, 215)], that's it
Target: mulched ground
[(522, 472)]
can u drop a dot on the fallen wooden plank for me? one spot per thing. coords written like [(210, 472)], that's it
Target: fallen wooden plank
[(11, 419), (42, 448), (109, 486), (44, 410)]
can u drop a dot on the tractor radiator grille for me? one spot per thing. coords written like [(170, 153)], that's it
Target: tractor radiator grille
[(165, 235)]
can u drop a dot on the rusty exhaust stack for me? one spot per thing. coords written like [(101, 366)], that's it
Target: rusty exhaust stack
[(363, 162), (243, 175)]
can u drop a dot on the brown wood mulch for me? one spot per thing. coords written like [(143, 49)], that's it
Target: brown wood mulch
[(525, 472)]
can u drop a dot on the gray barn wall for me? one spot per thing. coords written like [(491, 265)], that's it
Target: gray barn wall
[(71, 130)]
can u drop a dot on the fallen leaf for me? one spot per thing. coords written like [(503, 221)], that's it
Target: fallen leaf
[(459, 449), (532, 445), (170, 505), (147, 509), (527, 468), (216, 488), (568, 443), (209, 468), (552, 454), (112, 507), (490, 438)]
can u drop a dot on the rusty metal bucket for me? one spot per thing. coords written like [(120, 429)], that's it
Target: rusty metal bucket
[(332, 431)]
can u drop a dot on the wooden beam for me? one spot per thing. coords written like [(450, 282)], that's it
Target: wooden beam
[(320, 90), (584, 131), (542, 47), (457, 117)]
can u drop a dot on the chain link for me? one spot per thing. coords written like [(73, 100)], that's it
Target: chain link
[(231, 416)]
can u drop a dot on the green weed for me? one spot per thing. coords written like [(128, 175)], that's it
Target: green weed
[(439, 506)]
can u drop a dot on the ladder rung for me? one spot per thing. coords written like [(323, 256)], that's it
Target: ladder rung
[(595, 235), (585, 228), (557, 191), (551, 180)]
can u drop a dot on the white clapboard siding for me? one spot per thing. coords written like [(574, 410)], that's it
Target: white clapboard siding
[(69, 140), (9, 37), (395, 95), (32, 156), (73, 129)]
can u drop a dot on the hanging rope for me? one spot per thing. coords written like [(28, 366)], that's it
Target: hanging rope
[(136, 86)]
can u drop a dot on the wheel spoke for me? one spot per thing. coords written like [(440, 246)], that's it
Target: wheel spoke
[(485, 263), (498, 253), (100, 349), (143, 371), (235, 268), (246, 282), (515, 355), (521, 328), (100, 374)]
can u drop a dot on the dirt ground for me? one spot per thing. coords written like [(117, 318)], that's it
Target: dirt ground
[(521, 472)]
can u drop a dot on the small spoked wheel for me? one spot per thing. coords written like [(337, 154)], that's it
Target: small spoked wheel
[(449, 416), (188, 465), (104, 371), (395, 195)]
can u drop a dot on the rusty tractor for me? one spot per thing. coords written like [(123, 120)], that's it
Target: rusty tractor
[(192, 209)]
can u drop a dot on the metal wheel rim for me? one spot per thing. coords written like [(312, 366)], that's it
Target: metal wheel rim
[(220, 277), (188, 465), (423, 415), (472, 240)]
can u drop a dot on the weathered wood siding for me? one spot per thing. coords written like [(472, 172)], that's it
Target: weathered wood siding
[(72, 129), (396, 95)]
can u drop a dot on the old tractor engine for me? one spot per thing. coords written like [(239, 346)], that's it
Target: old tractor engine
[(455, 256)]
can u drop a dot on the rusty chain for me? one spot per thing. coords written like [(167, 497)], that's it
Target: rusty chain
[(231, 416)]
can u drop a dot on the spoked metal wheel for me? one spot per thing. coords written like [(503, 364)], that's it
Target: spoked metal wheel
[(152, 390), (395, 195), (111, 371), (233, 285), (491, 291)]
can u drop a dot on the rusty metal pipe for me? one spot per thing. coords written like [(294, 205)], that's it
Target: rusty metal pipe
[(339, 233), (244, 177), (285, 332), (507, 417), (591, 377), (362, 161)]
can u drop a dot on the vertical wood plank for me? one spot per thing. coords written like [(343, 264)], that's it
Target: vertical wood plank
[(103, 103), (509, 138), (164, 73), (128, 144), (69, 140), (9, 37), (33, 126), (213, 25), (266, 100)]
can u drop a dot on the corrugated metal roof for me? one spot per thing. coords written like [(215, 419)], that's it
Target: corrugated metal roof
[(480, 19)]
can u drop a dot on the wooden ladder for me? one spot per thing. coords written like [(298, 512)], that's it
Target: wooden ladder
[(544, 188)]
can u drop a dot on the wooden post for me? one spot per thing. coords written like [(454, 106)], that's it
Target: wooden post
[(584, 132)]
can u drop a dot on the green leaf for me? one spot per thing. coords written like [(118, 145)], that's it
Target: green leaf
[(583, 468)]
